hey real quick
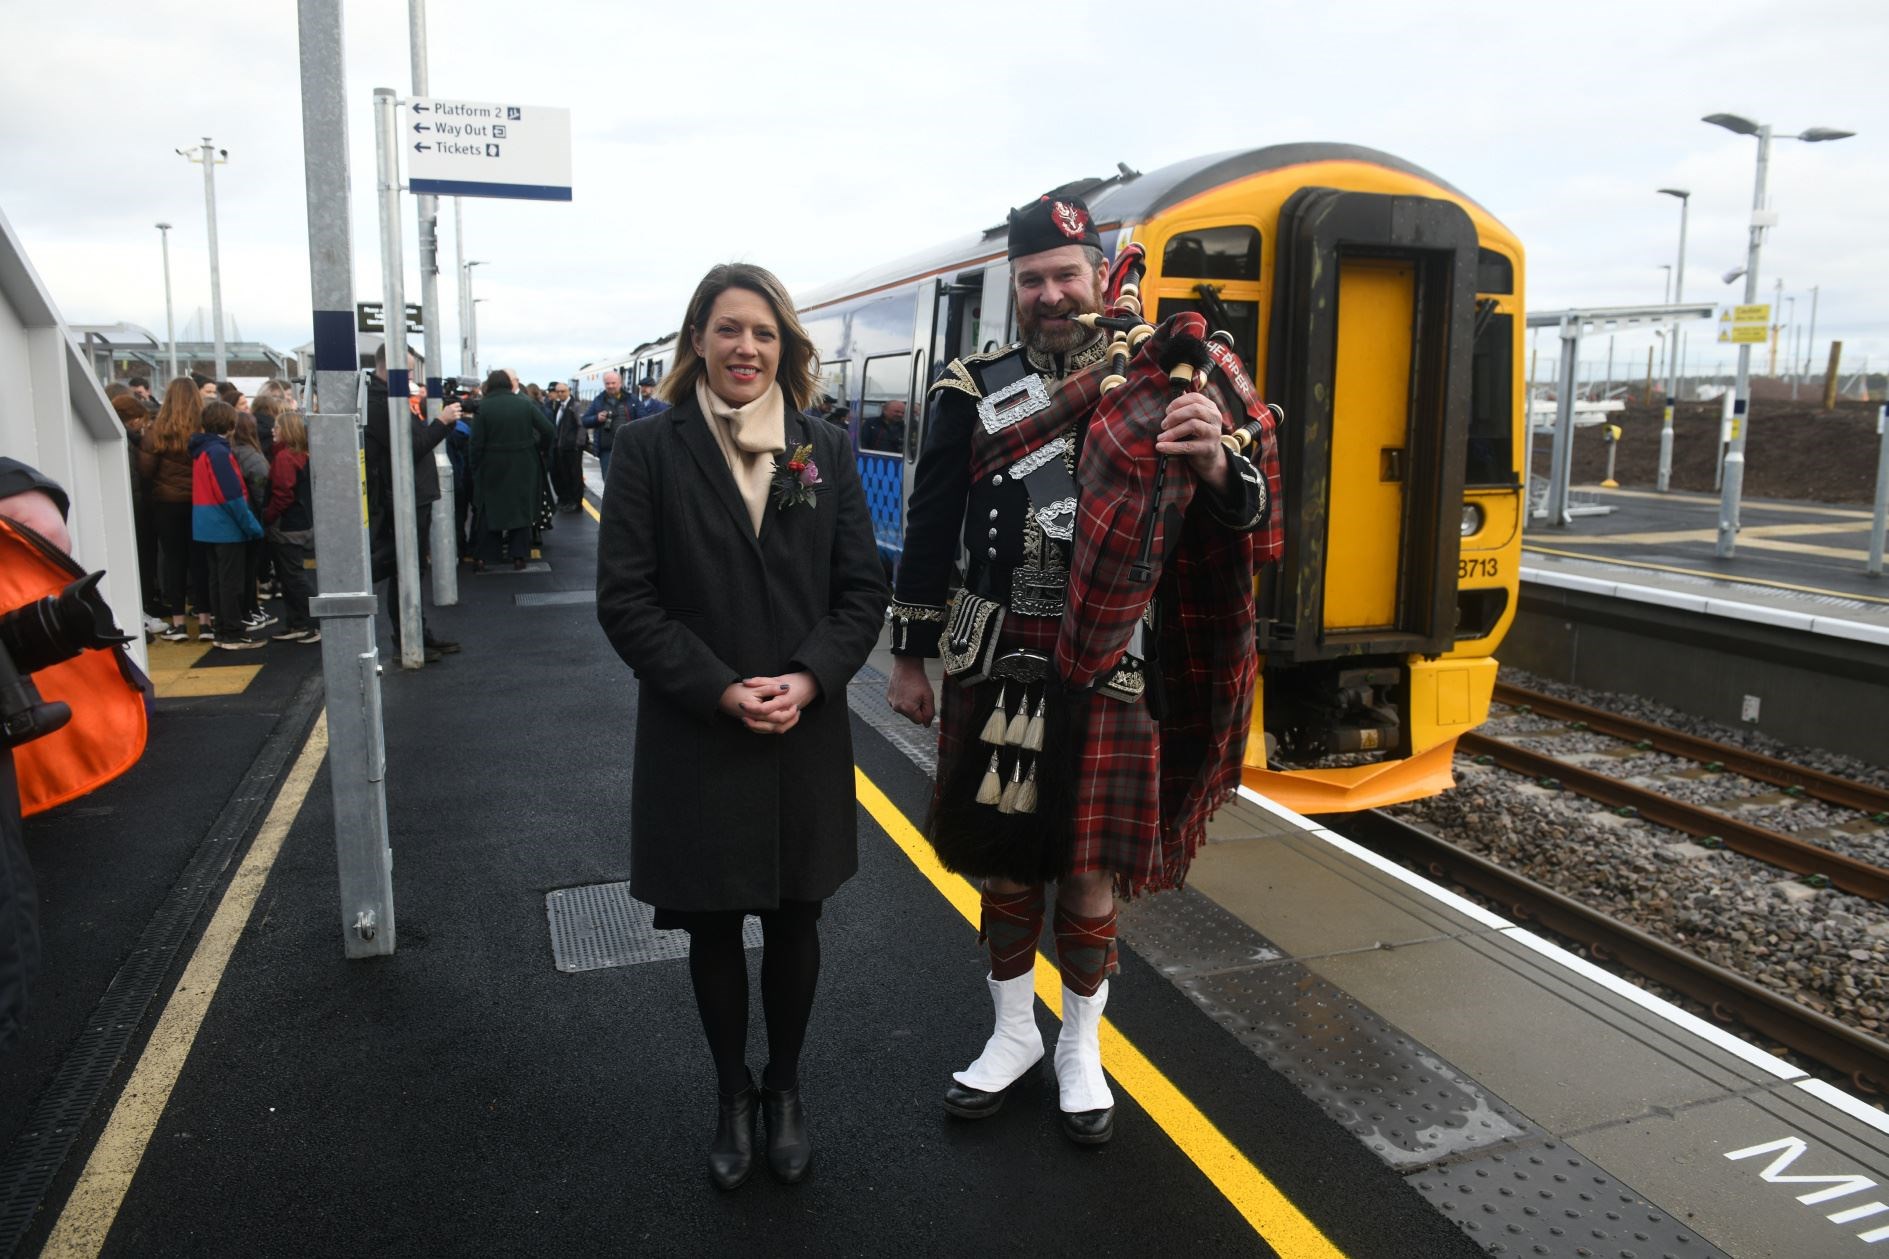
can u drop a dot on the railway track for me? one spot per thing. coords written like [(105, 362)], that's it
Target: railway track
[(1787, 852), (1729, 996)]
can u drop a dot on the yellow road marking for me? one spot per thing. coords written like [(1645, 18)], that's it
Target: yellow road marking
[(592, 510), (174, 675), (1268, 1211), (93, 1206), (1695, 572)]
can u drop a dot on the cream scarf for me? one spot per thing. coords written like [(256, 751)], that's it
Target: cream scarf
[(750, 437)]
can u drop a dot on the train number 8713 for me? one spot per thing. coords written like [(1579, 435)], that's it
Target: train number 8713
[(1478, 566)]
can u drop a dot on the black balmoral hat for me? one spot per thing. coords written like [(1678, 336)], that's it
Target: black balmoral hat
[(1049, 222)]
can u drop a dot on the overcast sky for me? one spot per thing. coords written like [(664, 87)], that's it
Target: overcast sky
[(822, 139)]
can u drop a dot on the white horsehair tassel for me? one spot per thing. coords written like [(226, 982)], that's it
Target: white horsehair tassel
[(1026, 794), (990, 791), (1019, 726), (995, 725), (1033, 734), (1008, 803)]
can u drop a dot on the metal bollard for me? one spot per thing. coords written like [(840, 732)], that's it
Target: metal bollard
[(1881, 516)]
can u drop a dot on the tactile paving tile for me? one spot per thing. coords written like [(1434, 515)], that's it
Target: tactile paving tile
[(1182, 934), (602, 925), (1548, 1200), (1406, 1103), (552, 597)]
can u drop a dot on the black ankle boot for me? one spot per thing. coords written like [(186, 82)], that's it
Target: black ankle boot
[(731, 1156), (788, 1150)]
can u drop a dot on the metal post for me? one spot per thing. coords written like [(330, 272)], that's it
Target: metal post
[(170, 320), (345, 606), (1810, 341), (216, 273), (1881, 516), (446, 560), (459, 281), (1561, 463), (1734, 486), (472, 320), (406, 591), (1672, 380)]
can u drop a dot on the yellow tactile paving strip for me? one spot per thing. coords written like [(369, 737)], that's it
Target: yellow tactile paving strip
[(176, 675)]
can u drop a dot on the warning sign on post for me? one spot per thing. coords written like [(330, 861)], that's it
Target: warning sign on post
[(480, 149)]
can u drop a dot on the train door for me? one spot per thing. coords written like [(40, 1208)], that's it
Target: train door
[(1372, 332)]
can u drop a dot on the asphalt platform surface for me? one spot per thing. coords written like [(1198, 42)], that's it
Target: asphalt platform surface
[(464, 1097)]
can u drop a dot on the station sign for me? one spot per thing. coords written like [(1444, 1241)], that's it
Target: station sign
[(484, 149), (1745, 325), (372, 317)]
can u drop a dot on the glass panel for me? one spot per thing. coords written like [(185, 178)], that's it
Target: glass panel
[(1494, 273), (1213, 253), (1239, 318), (1491, 454), (887, 385), (831, 402)]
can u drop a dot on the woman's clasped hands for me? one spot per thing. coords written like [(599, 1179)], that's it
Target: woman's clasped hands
[(770, 705)]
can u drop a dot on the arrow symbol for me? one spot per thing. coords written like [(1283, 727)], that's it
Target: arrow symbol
[(421, 148), (420, 126), (419, 109)]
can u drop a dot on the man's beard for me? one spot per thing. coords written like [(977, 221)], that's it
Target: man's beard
[(1066, 337)]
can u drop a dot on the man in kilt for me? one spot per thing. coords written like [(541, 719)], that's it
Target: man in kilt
[(1049, 773)]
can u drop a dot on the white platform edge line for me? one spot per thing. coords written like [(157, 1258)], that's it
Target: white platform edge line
[(1654, 1005), (1854, 1107), (1829, 626)]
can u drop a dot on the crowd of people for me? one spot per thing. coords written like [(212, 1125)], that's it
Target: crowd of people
[(221, 491)]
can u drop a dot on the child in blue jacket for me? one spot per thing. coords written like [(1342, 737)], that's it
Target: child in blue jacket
[(221, 520)]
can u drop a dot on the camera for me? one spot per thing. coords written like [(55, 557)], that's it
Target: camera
[(459, 389), (39, 635)]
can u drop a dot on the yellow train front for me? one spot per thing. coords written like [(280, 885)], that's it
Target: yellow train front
[(1383, 309)]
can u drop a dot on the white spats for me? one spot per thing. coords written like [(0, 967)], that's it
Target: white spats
[(1015, 1046), (1079, 1073)]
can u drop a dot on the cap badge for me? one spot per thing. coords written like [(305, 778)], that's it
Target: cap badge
[(1071, 220)]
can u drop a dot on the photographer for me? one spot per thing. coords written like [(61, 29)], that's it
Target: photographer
[(607, 410), (47, 621)]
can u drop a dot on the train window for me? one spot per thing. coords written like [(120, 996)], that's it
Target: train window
[(834, 401), (1239, 318), (1213, 253), (886, 387), (1494, 273), (1491, 454)]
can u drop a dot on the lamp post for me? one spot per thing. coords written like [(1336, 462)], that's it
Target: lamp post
[(170, 322), (1810, 338), (1672, 344), (472, 304), (1735, 457), (471, 334), (210, 157)]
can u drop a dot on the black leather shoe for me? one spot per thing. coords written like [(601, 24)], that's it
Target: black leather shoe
[(788, 1150), (444, 646), (1089, 1127), (731, 1156), (968, 1103)]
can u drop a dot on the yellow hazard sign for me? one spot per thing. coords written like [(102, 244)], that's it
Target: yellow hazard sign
[(1760, 313), (1743, 334)]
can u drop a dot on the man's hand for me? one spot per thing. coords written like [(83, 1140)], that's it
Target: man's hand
[(909, 690), (1192, 428), (449, 413)]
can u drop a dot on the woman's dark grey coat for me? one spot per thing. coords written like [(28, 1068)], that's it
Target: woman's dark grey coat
[(721, 818)]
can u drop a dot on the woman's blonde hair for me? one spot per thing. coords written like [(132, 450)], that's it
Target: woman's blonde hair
[(799, 365), (180, 416), (291, 432)]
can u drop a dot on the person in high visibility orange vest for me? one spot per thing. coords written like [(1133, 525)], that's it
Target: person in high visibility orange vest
[(72, 717)]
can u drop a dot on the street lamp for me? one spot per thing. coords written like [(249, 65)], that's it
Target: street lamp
[(1672, 344), (469, 331), (170, 323), (1735, 457), (210, 157)]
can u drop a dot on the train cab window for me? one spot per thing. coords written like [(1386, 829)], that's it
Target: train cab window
[(1491, 452), (833, 401), (1239, 318), (886, 387), (1494, 273), (1213, 253)]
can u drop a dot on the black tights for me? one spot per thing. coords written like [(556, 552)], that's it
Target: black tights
[(790, 969)]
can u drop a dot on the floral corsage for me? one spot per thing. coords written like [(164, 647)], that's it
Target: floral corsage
[(795, 479)]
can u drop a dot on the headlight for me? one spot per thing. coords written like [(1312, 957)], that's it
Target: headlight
[(1472, 520)]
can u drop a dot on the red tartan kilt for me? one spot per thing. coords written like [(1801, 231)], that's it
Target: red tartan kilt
[(1117, 788)]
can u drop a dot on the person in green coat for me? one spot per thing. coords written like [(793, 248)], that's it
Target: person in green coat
[(511, 438)]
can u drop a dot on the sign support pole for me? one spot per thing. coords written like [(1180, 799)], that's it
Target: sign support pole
[(443, 543), (1561, 462), (406, 586), (1881, 517), (345, 604), (1672, 357), (1734, 481)]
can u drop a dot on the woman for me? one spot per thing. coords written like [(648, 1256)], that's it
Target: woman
[(222, 523), (289, 525), (738, 577), (164, 463), (506, 435)]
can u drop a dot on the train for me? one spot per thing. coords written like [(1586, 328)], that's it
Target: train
[(1383, 309)]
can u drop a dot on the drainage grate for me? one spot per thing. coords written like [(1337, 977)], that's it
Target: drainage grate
[(553, 597), (602, 925)]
